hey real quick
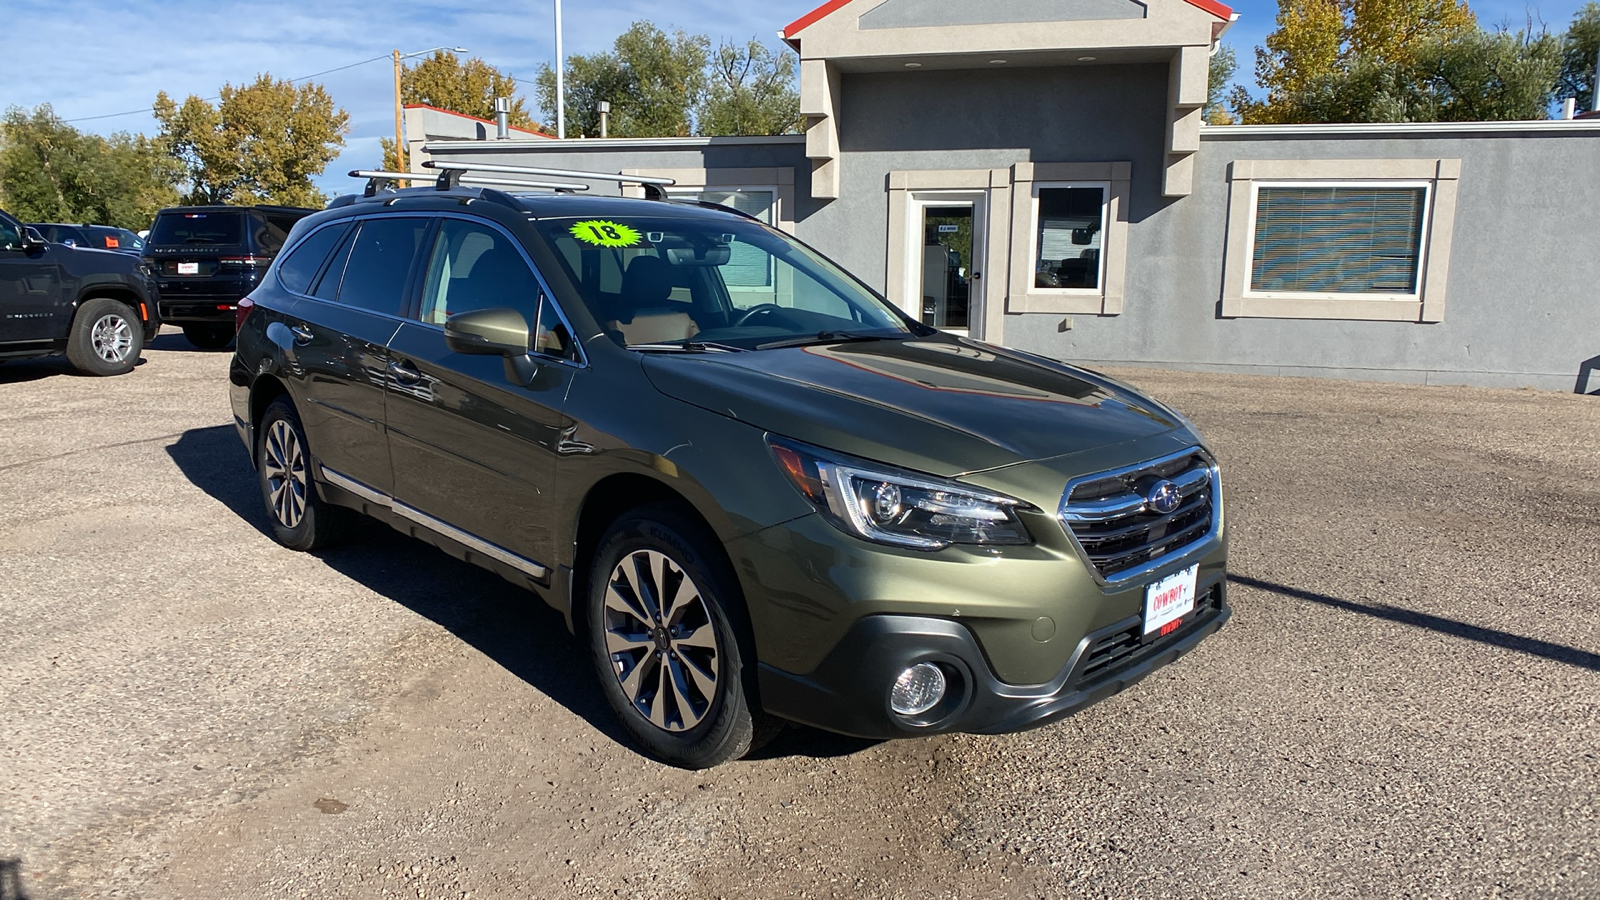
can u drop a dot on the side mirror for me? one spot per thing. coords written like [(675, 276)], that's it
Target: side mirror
[(488, 332)]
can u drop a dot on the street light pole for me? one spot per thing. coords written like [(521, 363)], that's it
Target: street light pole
[(561, 80)]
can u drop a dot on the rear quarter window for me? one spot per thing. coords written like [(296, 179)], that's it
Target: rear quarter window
[(298, 270)]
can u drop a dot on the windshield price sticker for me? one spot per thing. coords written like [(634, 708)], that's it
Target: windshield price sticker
[(603, 233)]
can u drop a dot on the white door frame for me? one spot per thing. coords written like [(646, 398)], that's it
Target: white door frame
[(917, 203)]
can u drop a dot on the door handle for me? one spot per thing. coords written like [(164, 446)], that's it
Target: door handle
[(302, 334), (404, 372)]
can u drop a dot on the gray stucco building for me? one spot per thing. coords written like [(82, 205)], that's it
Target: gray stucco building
[(1035, 173)]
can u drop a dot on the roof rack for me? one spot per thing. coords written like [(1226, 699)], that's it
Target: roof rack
[(380, 181), (453, 172)]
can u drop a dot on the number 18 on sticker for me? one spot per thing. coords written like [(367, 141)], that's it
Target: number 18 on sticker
[(605, 233)]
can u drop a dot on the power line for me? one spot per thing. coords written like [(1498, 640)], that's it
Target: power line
[(146, 109)]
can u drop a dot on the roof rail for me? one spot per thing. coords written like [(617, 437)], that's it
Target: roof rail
[(652, 185), (380, 181)]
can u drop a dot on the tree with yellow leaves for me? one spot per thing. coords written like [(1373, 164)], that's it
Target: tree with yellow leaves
[(445, 81)]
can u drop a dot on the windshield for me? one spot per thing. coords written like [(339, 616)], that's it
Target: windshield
[(694, 282), (214, 227)]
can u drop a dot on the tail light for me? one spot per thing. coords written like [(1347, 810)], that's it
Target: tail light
[(241, 311), (241, 262)]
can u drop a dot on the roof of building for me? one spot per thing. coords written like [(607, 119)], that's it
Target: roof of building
[(451, 112), (793, 29)]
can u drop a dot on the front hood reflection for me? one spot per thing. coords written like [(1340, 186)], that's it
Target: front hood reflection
[(938, 404)]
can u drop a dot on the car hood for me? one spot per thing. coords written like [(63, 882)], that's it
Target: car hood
[(942, 405)]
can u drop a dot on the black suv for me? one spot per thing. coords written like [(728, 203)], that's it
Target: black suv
[(754, 485), (97, 307), (98, 237), (207, 257)]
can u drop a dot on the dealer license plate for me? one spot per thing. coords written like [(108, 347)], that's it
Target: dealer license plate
[(189, 268), (1169, 600)]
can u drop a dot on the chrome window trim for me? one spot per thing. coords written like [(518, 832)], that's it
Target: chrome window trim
[(1177, 559), (439, 526)]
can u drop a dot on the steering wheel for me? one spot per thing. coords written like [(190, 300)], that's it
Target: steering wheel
[(758, 309)]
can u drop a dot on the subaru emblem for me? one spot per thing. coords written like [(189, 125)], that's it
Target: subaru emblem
[(1163, 497)]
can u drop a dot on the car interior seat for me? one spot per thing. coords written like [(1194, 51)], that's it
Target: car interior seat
[(644, 314)]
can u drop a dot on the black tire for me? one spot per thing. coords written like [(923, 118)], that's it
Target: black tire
[(208, 336), (301, 520), (671, 662), (106, 338)]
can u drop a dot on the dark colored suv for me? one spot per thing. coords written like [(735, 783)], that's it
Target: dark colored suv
[(207, 257), (98, 237), (98, 308), (754, 486)]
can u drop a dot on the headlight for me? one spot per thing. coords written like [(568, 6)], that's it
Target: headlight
[(893, 506)]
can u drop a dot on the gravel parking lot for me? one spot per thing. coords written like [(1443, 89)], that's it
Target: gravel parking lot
[(1407, 703)]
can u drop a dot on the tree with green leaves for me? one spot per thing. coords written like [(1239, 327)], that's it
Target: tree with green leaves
[(1220, 72), (469, 87), (1319, 44), (1580, 54), (653, 81), (51, 172), (750, 90), (262, 143)]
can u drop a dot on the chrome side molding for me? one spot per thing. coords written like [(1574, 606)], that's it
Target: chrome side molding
[(438, 526)]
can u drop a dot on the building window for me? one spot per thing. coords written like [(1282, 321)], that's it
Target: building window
[(1338, 239), (1068, 235)]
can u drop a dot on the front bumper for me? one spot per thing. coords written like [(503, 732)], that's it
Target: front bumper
[(848, 692)]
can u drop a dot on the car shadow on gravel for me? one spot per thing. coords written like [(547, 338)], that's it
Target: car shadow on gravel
[(1561, 653), (509, 625), (175, 341), (11, 880), (506, 623)]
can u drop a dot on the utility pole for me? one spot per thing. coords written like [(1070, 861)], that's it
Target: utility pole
[(1594, 91), (399, 148), (561, 80)]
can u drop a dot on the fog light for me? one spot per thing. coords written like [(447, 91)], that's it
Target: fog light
[(917, 690)]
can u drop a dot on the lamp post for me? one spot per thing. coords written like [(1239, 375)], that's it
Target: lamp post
[(561, 80), (399, 110)]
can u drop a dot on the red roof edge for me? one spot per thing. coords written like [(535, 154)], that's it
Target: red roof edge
[(811, 18), (1212, 6), (451, 112), (822, 12)]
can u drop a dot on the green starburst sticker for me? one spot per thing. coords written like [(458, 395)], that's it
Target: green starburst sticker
[(602, 233)]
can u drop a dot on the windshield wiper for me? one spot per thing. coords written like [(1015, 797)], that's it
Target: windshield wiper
[(827, 337), (688, 346)]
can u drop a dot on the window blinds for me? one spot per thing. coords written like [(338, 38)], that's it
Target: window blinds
[(1340, 240)]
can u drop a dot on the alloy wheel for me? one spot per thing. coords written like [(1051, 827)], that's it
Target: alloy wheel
[(662, 641), (112, 338), (284, 467)]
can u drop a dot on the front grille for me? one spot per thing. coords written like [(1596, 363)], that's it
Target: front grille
[(1110, 516), (1113, 651)]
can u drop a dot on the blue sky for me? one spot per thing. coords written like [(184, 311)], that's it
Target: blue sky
[(90, 58)]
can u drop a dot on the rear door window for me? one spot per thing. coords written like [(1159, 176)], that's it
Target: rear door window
[(299, 269), (380, 264)]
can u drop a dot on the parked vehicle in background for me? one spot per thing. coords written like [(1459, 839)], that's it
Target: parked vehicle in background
[(98, 308), (59, 233), (97, 237), (205, 258), (751, 483), (105, 237)]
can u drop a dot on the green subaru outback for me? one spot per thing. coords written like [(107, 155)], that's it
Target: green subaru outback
[(754, 488)]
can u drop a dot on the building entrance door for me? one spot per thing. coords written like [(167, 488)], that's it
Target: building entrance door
[(946, 238)]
